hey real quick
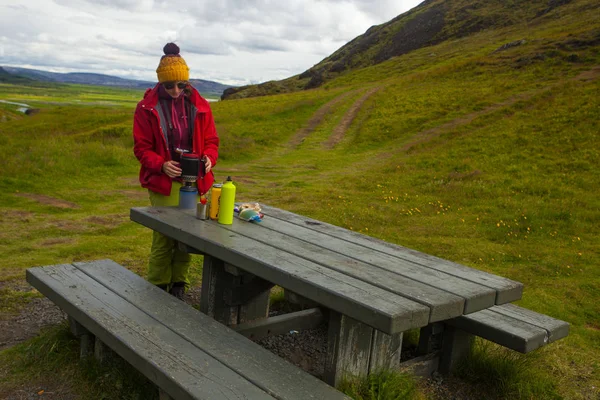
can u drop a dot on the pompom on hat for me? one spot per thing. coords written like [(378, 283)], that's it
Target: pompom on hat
[(172, 66)]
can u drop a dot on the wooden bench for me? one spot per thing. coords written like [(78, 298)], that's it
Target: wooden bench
[(514, 327), (508, 325), (187, 354)]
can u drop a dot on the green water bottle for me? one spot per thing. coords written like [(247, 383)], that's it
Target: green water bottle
[(226, 203)]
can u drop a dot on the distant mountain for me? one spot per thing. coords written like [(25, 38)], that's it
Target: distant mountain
[(430, 23), (207, 88), (5, 76)]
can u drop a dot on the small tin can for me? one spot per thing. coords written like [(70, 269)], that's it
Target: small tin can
[(202, 211), (215, 197)]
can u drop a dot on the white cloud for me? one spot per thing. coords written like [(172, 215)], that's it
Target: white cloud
[(230, 41)]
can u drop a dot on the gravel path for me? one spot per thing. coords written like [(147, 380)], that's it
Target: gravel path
[(27, 322)]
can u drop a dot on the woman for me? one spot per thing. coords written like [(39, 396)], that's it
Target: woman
[(172, 118)]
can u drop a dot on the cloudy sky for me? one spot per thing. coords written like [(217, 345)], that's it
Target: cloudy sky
[(230, 41)]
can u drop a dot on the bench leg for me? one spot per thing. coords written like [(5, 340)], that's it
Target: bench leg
[(356, 349), (456, 345), (232, 296), (76, 328), (102, 352), (86, 338), (86, 345)]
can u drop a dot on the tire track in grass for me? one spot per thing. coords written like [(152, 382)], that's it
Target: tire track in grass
[(340, 130), (420, 137), (432, 133), (316, 119)]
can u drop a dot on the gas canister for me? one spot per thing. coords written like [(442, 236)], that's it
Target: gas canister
[(215, 197)]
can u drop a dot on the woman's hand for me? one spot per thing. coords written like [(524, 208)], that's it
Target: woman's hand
[(171, 168), (207, 164)]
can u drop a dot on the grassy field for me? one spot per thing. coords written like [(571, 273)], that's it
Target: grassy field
[(489, 159)]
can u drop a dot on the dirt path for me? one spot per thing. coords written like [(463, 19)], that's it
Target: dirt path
[(47, 200), (340, 131), (316, 119)]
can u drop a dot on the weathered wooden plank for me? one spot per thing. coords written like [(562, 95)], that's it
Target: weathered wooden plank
[(300, 320), (348, 348), (506, 290), (398, 275), (443, 304), (374, 306), (556, 328), (174, 364), (264, 369), (502, 329)]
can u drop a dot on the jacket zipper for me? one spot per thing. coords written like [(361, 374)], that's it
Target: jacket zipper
[(160, 129)]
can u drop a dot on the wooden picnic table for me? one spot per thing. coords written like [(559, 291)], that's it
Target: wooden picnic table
[(372, 290)]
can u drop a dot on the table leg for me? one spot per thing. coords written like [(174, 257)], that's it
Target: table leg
[(385, 351), (430, 338), (256, 304), (232, 296), (356, 349), (215, 282), (456, 345)]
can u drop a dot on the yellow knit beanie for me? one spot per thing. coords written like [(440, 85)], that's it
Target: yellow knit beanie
[(172, 66)]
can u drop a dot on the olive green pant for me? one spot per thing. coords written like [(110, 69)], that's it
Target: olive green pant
[(167, 263)]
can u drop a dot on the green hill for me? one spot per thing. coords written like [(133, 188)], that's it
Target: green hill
[(434, 85), (431, 23)]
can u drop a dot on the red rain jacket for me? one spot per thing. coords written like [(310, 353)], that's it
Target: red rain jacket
[(150, 141)]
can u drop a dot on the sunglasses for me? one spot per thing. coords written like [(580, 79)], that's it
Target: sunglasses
[(171, 85)]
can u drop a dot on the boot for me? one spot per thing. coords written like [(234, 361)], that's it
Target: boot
[(178, 290), (163, 287)]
